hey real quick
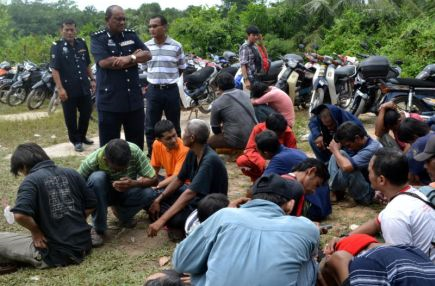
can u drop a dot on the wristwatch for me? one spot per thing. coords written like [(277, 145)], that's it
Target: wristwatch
[(133, 58)]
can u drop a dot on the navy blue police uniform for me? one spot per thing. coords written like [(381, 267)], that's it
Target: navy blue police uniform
[(72, 61), (119, 95)]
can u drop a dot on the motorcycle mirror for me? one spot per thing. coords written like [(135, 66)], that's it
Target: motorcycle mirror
[(301, 46), (364, 45)]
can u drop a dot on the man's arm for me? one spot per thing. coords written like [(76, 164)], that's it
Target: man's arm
[(342, 161), (379, 123), (371, 227), (123, 62), (58, 82), (154, 209), (39, 240)]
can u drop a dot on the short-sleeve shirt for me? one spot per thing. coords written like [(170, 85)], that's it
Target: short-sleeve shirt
[(417, 167), (360, 160), (170, 160), (247, 57), (56, 198), (408, 220), (167, 59), (208, 177), (72, 61), (284, 161), (139, 165), (117, 90), (237, 120)]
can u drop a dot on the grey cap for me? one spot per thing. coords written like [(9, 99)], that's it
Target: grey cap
[(429, 150)]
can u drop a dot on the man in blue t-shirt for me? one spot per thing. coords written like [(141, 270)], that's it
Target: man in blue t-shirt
[(348, 167)]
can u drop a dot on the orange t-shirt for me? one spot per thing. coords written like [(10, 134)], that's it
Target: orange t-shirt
[(170, 160)]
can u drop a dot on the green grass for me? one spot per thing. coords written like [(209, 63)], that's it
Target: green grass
[(121, 261)]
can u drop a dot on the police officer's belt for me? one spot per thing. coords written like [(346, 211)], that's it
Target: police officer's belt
[(163, 86)]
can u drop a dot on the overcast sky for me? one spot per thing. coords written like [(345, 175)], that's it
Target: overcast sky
[(134, 4)]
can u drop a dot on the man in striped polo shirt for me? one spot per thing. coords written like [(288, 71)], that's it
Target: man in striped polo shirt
[(164, 69)]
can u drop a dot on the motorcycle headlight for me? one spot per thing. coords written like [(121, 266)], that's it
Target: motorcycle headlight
[(292, 64)]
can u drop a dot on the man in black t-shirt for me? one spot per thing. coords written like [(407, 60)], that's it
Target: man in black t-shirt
[(205, 171), (52, 203)]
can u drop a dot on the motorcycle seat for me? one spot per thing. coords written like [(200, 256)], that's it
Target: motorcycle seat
[(230, 70), (275, 68), (294, 57), (412, 82), (197, 78), (345, 71)]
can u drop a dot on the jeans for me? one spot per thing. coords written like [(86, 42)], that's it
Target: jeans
[(16, 247), (159, 101), (354, 182), (322, 155), (127, 204)]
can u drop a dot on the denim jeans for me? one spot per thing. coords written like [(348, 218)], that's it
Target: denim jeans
[(127, 204), (354, 182), (322, 155), (16, 247)]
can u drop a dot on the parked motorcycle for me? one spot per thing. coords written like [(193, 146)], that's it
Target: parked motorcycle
[(7, 80), (20, 89), (41, 90)]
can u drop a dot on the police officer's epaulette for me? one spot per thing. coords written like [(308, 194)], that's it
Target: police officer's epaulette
[(81, 39), (129, 31), (56, 42), (97, 33)]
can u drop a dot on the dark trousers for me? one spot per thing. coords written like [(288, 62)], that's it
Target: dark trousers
[(179, 219), (109, 125), (82, 104), (159, 101)]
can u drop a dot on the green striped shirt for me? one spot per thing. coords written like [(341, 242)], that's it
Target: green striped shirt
[(139, 165)]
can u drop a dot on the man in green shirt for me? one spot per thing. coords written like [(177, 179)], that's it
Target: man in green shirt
[(121, 176)]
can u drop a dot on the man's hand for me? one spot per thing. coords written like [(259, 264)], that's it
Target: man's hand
[(62, 94), (329, 248), (121, 62), (334, 146), (123, 184), (154, 210), (238, 202), (247, 84), (154, 228), (39, 240), (319, 143), (388, 105), (93, 86)]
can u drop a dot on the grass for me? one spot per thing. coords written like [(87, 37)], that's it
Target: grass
[(129, 256)]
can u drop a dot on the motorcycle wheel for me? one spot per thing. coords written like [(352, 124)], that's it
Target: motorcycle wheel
[(357, 105), (205, 104), (3, 91), (36, 98), (54, 102), (402, 102), (16, 97), (317, 98)]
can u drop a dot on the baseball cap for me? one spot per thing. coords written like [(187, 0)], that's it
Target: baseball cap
[(275, 184), (429, 150)]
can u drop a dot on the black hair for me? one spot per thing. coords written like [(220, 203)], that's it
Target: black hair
[(26, 156), (347, 132), (225, 81), (68, 22), (171, 278), (252, 30), (118, 152), (321, 170), (391, 118), (109, 11), (211, 204), (271, 197), (411, 129), (258, 89), (267, 141), (162, 126), (391, 164), (162, 19), (277, 123)]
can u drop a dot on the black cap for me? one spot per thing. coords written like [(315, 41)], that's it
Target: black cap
[(275, 184), (429, 150)]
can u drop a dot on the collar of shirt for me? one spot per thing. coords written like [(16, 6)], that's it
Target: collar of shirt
[(114, 36), (272, 209), (41, 165), (167, 41)]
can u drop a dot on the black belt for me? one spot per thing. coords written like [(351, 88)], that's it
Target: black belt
[(163, 86)]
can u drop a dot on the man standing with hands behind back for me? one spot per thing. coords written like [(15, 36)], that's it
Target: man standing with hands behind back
[(164, 69), (117, 51), (74, 81)]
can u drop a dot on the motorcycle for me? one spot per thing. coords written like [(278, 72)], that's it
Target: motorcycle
[(7, 80), (41, 90), (20, 89)]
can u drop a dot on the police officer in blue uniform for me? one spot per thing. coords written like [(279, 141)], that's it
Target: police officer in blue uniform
[(116, 52), (74, 81)]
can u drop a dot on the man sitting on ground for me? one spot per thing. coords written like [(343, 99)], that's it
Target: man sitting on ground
[(428, 157), (121, 176), (205, 171), (52, 203), (232, 115), (260, 244), (408, 218), (168, 152), (251, 162), (348, 167), (323, 125)]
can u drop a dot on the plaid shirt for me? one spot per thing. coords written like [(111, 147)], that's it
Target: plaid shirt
[(138, 166), (247, 57)]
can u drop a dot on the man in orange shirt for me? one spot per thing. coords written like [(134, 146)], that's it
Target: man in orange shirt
[(251, 162), (168, 152)]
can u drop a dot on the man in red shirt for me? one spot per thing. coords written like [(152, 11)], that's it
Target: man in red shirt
[(251, 162)]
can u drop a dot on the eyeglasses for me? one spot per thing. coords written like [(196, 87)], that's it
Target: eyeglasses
[(153, 26), (120, 19)]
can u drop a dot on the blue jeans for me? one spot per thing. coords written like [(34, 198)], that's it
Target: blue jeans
[(354, 182), (322, 155), (127, 204)]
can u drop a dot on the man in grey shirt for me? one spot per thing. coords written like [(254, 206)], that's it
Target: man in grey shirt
[(232, 115)]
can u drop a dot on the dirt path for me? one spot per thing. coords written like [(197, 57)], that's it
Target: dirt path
[(31, 115)]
